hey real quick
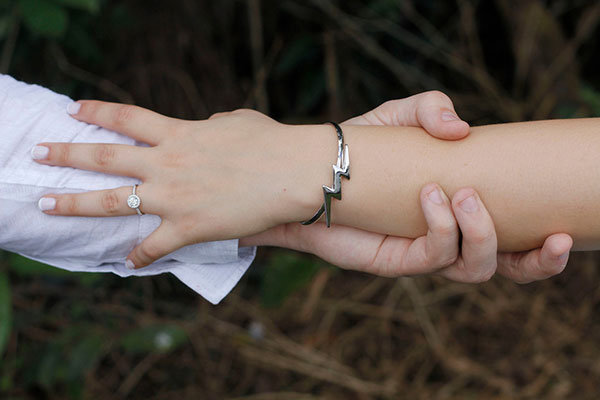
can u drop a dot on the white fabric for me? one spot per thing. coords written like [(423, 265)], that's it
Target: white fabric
[(30, 114)]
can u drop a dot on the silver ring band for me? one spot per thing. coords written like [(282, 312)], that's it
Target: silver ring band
[(134, 201)]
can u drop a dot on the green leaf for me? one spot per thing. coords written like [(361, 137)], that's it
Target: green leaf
[(6, 22), (285, 273), (5, 311), (159, 338), (49, 367), (296, 54), (91, 6), (313, 90), (83, 355), (592, 98), (23, 266), (44, 17), (66, 359)]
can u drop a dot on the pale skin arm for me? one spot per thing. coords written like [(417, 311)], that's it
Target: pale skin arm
[(189, 162), (536, 178), (438, 251)]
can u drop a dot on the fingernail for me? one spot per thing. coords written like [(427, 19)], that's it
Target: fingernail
[(129, 264), (39, 152), (448, 116), (469, 204), (435, 196), (563, 258), (73, 108), (47, 203)]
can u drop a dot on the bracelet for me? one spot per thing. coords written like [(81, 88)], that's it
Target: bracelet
[(341, 168)]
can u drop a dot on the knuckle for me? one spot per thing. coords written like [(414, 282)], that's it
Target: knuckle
[(480, 238), (513, 269), (186, 230), (551, 270), (485, 276), (391, 104), (172, 159), (479, 273), (446, 260), (480, 277), (435, 96), (123, 115), (89, 108), (513, 262), (103, 154), (521, 280), (62, 154), (70, 205), (148, 253), (181, 129), (110, 202), (218, 114), (446, 229), (245, 112)]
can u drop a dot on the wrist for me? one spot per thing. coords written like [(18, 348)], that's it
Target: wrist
[(316, 152)]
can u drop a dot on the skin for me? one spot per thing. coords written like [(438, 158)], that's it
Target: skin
[(274, 201), (518, 170)]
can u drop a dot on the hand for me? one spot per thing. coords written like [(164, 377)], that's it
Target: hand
[(438, 251), (194, 175)]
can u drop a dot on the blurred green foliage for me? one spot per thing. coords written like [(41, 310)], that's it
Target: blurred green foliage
[(284, 273), (50, 18), (592, 98), (5, 311), (64, 361)]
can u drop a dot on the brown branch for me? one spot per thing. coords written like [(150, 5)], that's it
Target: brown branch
[(102, 84), (256, 44), (11, 41), (407, 75), (585, 27)]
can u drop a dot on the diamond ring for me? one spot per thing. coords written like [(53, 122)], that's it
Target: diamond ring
[(134, 201)]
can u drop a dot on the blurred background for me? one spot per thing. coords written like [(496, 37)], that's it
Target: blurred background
[(295, 327)]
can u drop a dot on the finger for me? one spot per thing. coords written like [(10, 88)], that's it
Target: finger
[(219, 114), (136, 122), (439, 248), (345, 246), (478, 259), (538, 264), (116, 159), (162, 241), (100, 203), (433, 110)]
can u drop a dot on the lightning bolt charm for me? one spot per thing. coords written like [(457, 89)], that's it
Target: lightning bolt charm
[(341, 168)]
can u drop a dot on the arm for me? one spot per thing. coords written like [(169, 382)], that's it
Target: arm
[(536, 178), (242, 173), (438, 250)]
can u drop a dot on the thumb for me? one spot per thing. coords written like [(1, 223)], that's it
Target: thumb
[(432, 111), (162, 241), (435, 112)]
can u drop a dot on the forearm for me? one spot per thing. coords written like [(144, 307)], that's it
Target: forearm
[(536, 178)]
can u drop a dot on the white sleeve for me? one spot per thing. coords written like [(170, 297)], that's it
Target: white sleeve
[(30, 114)]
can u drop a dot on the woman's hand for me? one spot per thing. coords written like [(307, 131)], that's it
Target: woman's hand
[(208, 180), (438, 251)]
